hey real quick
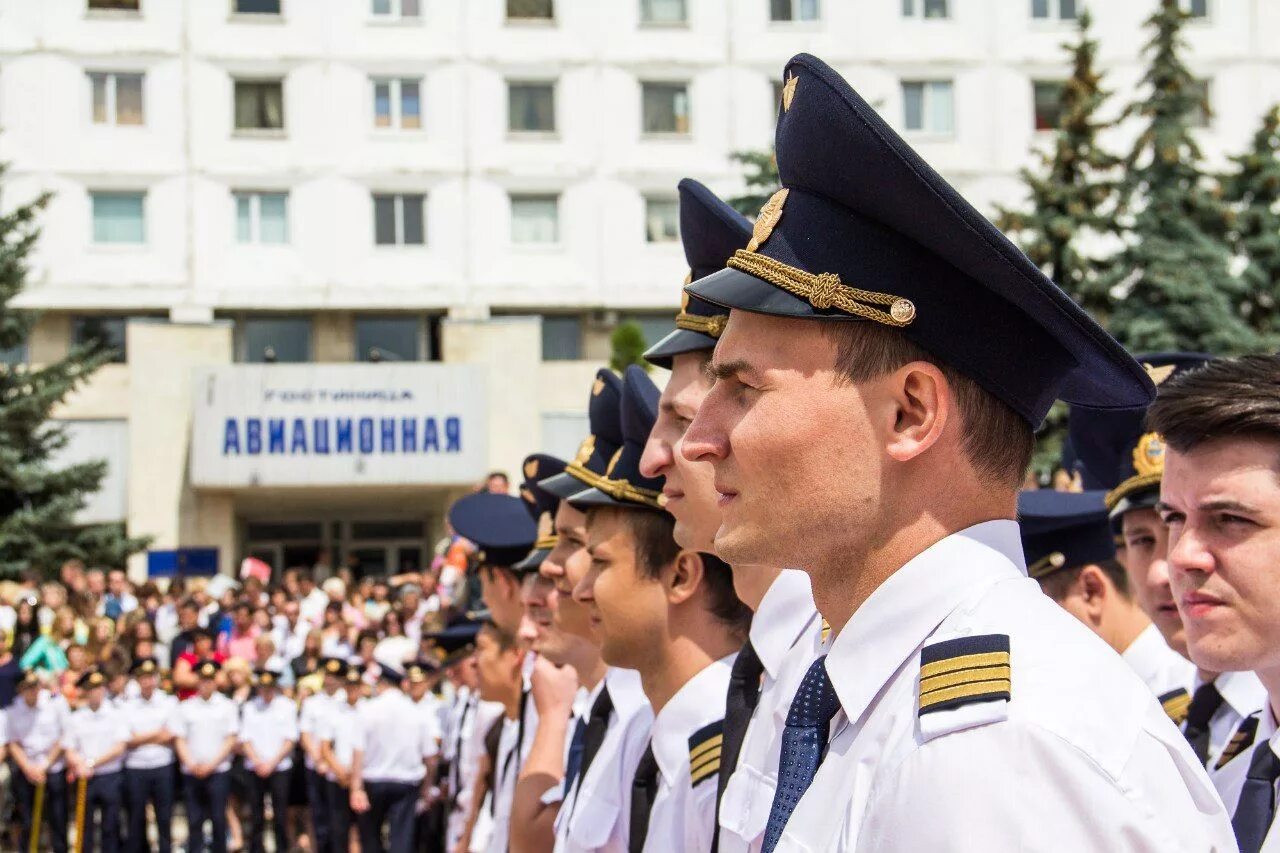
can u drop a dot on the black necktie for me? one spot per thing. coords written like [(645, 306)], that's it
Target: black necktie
[(740, 703), (596, 728), (1205, 702), (643, 791), (1257, 805)]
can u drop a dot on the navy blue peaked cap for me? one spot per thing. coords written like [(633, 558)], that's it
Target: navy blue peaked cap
[(1063, 530), (864, 229), (605, 417), (1115, 448), (499, 526), (711, 232), (623, 484), (456, 641), (541, 505)]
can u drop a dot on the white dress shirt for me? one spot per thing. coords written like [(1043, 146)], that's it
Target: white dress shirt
[(504, 790), (474, 727), (206, 725), (394, 739), (39, 729), (786, 633), (1161, 668), (266, 726), (341, 727), (91, 734), (1081, 757), (1243, 696), (1230, 779), (311, 718), (148, 715), (683, 813), (596, 812)]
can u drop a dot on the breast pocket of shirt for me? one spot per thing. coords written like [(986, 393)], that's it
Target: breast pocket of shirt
[(593, 820), (748, 797)]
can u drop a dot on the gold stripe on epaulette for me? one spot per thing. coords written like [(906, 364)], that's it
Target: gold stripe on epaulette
[(974, 661), (965, 676), (1177, 706), (825, 290), (964, 691), (826, 630), (708, 767), (711, 326), (713, 742), (1240, 741)]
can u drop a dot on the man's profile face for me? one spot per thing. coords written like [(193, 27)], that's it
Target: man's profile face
[(541, 602), (1221, 503), (794, 451), (496, 667), (690, 486), (628, 609), (1145, 549), (501, 594), (565, 567)]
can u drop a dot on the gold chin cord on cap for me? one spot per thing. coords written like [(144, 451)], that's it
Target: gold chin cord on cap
[(825, 290)]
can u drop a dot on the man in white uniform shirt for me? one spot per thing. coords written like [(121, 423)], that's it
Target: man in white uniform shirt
[(268, 732), (338, 733), (310, 723), (34, 728), (149, 771), (785, 629), (95, 742), (887, 358), (206, 729), (393, 747), (1220, 499)]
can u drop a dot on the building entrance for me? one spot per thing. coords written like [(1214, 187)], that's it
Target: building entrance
[(366, 546)]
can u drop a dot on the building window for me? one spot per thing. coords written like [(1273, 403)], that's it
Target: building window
[(1195, 8), (397, 103), (262, 217), (663, 12), (1049, 10), (275, 339), (927, 106), (535, 219), (666, 107), (1204, 107), (398, 219), (257, 7), (14, 355), (388, 339), (661, 220), (117, 98), (100, 332), (259, 105), (927, 9), (1047, 97), (530, 10), (793, 10), (654, 327), (561, 338), (113, 5), (531, 107), (396, 9), (118, 218)]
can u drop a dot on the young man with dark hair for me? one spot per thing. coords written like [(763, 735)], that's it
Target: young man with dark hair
[(337, 738), (786, 628), (672, 615), (312, 720), (499, 664), (268, 732), (35, 725), (95, 743), (206, 729), (149, 763), (1220, 498), (887, 358)]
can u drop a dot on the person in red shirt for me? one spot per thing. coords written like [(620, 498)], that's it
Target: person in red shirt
[(185, 680)]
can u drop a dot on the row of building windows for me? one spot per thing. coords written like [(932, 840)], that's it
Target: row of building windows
[(287, 338), (399, 219), (653, 12)]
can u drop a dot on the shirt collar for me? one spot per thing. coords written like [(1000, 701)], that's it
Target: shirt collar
[(1148, 649), (1242, 691), (784, 612), (625, 690), (699, 702), (912, 602), (582, 700)]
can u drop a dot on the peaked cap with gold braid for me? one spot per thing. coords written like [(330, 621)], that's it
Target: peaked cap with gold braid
[(541, 504), (1063, 530), (711, 231), (623, 484), (605, 417), (864, 229)]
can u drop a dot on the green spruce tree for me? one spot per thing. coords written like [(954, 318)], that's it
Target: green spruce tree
[(1173, 278), (628, 346), (38, 501), (1253, 190)]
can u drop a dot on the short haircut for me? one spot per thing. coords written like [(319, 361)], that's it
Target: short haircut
[(1226, 398), (997, 440), (724, 603), (505, 639), (1056, 584), (653, 532), (189, 604)]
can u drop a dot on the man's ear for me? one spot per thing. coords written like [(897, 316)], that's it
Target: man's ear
[(683, 577), (1094, 590), (922, 404)]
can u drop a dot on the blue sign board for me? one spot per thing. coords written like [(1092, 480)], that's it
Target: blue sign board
[(182, 561)]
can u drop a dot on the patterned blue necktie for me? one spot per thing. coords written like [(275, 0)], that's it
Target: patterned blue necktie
[(1256, 808), (804, 744), (575, 755)]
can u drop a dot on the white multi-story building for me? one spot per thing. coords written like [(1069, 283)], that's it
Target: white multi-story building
[(471, 192)]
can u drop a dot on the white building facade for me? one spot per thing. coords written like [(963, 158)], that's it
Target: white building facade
[(484, 185)]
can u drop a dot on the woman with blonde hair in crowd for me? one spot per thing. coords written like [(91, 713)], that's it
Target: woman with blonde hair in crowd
[(48, 653)]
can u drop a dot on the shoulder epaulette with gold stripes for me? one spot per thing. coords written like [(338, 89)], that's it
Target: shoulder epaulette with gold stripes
[(704, 752), (1240, 741), (1176, 703), (964, 670)]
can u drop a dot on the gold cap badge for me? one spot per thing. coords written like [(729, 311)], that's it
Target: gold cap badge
[(789, 92), (767, 220), (1148, 456)]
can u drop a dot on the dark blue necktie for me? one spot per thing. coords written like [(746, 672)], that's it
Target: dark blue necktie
[(1256, 807), (574, 763), (804, 743)]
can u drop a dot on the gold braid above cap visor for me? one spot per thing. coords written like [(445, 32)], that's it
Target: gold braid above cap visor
[(1129, 486), (546, 543), (711, 326), (621, 490), (825, 290)]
